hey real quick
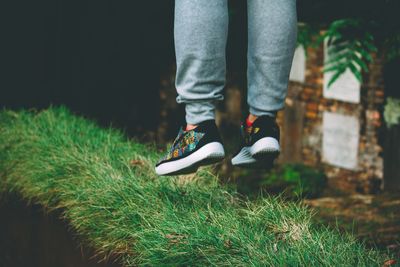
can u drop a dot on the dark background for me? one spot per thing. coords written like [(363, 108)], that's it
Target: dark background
[(100, 58), (104, 59)]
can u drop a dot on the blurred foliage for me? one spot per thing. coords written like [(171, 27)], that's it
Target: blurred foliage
[(350, 46), (295, 180), (352, 35), (392, 112), (305, 35)]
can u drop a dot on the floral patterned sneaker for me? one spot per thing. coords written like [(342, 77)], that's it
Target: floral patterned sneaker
[(192, 149), (260, 143)]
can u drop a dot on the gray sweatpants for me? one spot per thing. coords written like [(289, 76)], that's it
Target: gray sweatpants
[(201, 29)]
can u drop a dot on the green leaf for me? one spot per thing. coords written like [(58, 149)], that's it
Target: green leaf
[(360, 63), (335, 77), (356, 72)]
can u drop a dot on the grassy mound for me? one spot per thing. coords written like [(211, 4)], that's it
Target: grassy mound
[(108, 192)]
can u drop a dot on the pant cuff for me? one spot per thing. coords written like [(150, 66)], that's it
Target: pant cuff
[(258, 112), (197, 112)]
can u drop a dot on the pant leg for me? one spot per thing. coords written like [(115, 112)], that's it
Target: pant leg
[(200, 31), (272, 29)]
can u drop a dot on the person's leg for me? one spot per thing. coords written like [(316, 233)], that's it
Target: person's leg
[(272, 35), (271, 45), (201, 28)]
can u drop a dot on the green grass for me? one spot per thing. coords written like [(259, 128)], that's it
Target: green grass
[(107, 191)]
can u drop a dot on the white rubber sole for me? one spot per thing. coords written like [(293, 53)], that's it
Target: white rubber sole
[(208, 154), (265, 145), (264, 150)]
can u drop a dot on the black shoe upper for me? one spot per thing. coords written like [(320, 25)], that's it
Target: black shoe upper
[(188, 142), (263, 126)]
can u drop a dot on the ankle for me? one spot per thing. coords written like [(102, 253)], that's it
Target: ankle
[(190, 127), (251, 118)]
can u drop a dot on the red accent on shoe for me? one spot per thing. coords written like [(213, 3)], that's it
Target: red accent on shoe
[(248, 122)]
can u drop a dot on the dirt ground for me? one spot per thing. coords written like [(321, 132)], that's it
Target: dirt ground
[(374, 219)]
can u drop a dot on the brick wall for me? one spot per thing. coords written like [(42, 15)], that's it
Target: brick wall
[(307, 98)]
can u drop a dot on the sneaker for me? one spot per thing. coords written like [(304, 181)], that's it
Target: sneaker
[(192, 149), (260, 143)]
